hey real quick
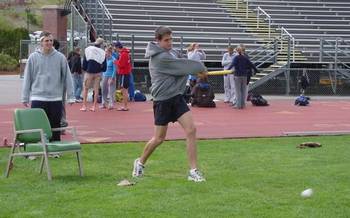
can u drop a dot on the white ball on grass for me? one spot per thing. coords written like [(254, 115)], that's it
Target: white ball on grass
[(307, 193)]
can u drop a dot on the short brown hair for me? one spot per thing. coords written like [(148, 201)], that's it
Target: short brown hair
[(44, 34), (239, 50), (109, 48), (161, 31), (191, 47)]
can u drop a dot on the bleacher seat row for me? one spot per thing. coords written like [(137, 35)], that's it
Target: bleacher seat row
[(211, 23)]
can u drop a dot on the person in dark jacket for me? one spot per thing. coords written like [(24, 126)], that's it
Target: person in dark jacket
[(250, 72), (94, 64), (242, 66), (56, 44), (74, 61)]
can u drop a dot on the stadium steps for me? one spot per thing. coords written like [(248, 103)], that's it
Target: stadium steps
[(308, 21), (262, 32), (266, 74)]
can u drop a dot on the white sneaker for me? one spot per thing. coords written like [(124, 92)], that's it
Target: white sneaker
[(138, 168), (31, 157), (55, 155), (195, 176)]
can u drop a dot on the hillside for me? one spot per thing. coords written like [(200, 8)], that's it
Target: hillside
[(14, 15)]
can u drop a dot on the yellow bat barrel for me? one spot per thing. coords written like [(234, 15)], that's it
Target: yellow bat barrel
[(219, 72)]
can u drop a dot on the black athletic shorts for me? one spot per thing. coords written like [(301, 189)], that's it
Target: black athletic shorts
[(169, 110), (123, 81)]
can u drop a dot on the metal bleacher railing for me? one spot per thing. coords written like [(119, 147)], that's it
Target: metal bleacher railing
[(259, 11), (266, 53), (100, 17), (284, 32), (333, 48)]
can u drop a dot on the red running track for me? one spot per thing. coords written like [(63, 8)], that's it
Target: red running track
[(212, 123)]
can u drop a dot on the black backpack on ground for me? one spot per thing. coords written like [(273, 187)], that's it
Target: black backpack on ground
[(203, 95), (258, 100)]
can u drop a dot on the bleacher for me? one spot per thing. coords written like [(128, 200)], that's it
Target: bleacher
[(205, 22), (309, 21), (215, 24), (318, 28)]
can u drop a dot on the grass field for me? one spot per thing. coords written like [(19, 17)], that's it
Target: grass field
[(245, 178)]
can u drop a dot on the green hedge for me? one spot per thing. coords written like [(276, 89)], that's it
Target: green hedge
[(10, 41), (7, 63)]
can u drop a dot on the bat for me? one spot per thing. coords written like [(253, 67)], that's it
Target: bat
[(219, 72)]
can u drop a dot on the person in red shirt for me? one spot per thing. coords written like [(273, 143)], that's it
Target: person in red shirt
[(124, 70)]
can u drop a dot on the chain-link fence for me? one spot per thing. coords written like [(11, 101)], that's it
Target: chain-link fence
[(321, 82), (78, 30)]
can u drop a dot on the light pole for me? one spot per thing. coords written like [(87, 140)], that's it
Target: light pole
[(27, 10)]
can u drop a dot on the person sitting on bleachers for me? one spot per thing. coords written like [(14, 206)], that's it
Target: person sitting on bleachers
[(202, 93)]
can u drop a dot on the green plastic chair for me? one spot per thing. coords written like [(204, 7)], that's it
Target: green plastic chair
[(32, 134)]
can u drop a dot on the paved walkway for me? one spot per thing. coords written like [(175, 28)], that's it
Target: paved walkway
[(10, 89)]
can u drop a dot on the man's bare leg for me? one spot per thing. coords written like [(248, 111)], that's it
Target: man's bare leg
[(187, 123), (125, 98), (94, 106), (154, 142), (85, 93)]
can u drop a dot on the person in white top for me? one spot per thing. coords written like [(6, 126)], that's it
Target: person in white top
[(195, 53), (229, 85)]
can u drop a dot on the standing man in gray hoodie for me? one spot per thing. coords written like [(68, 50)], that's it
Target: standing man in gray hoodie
[(169, 73), (46, 75)]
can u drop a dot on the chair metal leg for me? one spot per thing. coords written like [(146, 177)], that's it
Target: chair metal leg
[(10, 161), (42, 164), (46, 158), (80, 164)]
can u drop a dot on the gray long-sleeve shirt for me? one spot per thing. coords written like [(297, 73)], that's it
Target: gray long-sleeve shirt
[(169, 72), (45, 77)]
